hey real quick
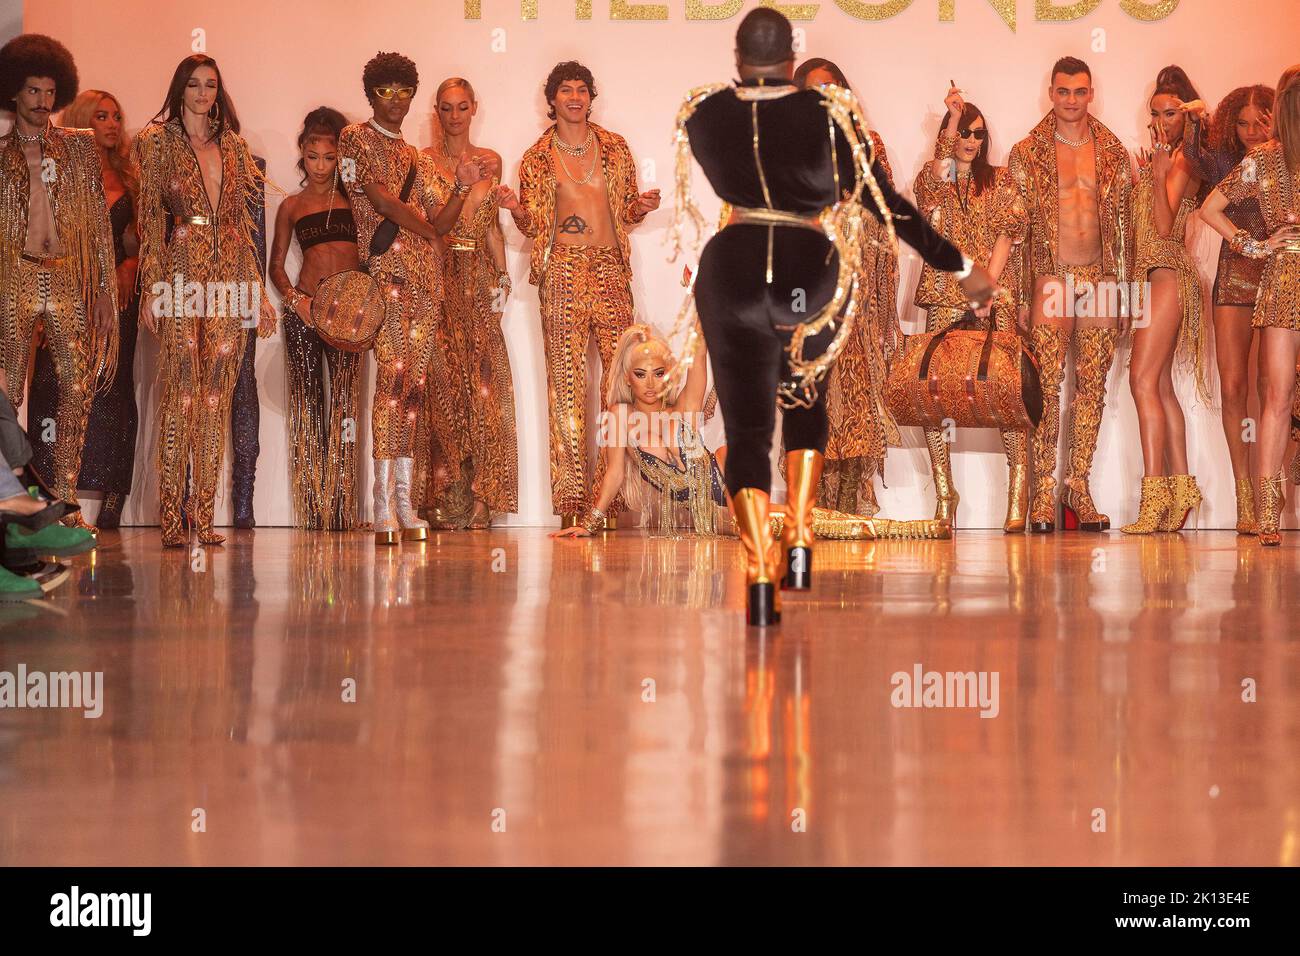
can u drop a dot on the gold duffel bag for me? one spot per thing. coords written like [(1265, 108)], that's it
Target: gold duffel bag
[(348, 309), (970, 373)]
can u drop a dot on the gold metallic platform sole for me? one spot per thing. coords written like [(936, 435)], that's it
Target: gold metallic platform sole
[(415, 534), (387, 537)]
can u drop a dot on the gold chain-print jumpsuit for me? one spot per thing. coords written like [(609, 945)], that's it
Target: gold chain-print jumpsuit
[(201, 264), (474, 455)]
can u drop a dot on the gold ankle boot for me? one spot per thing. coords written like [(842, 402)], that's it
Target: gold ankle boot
[(1017, 482), (1154, 506), (803, 469), (1270, 509), (1245, 506), (1048, 343), (1094, 351), (946, 498), (1186, 496), (750, 508)]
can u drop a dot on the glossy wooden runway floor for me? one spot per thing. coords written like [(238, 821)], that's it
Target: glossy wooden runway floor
[(501, 685)]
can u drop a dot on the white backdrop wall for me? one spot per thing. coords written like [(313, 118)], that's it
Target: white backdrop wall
[(280, 60)]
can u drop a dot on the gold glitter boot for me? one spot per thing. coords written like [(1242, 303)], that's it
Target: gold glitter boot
[(1017, 482), (1270, 501), (1094, 351), (1153, 509), (1186, 496), (945, 495), (1048, 344), (1245, 506), (803, 469)]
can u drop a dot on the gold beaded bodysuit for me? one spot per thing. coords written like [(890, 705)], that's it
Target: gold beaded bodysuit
[(201, 263), (472, 453), (60, 290), (585, 291), (1264, 176), (411, 272)]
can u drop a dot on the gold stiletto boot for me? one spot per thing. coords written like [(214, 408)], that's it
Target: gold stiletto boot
[(803, 469), (1186, 496), (1094, 351), (1153, 509), (1048, 344), (1270, 509), (1245, 506), (750, 508), (1017, 482), (945, 494)]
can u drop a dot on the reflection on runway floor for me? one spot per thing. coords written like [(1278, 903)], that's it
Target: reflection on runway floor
[(500, 698)]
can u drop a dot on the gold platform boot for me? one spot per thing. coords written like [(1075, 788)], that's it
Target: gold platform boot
[(413, 529), (1245, 506), (1270, 509), (945, 494), (803, 469), (1186, 496), (750, 508), (1048, 344), (1094, 350), (1017, 482), (1153, 509)]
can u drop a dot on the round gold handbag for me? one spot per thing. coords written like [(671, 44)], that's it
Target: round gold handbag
[(348, 309)]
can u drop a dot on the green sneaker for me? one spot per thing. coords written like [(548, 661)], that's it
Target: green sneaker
[(55, 539), (15, 587)]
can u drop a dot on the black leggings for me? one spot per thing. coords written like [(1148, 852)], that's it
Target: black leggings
[(739, 312)]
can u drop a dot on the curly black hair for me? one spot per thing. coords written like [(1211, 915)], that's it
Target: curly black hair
[(34, 54), (563, 72), (389, 68)]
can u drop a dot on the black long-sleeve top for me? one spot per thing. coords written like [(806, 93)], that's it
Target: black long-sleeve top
[(794, 149)]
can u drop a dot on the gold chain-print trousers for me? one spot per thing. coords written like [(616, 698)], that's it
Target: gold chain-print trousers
[(200, 363), (583, 293), (402, 361), (51, 294)]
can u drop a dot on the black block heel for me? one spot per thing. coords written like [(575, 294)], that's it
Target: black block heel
[(798, 573), (760, 608)]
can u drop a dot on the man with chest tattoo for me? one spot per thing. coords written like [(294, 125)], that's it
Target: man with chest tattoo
[(577, 198), (56, 248), (1076, 181)]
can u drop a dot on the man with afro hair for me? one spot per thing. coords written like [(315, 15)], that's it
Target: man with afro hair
[(56, 249)]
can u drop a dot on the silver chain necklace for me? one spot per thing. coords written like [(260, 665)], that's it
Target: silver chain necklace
[(379, 129), (1071, 143)]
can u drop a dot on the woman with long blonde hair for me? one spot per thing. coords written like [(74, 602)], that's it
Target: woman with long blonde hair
[(656, 458), (1270, 173), (108, 457)]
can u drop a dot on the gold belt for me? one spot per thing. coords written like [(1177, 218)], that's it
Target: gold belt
[(43, 262), (462, 243), (758, 216), (190, 221)]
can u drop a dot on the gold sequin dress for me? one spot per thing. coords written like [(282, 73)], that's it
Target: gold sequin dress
[(1264, 175)]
